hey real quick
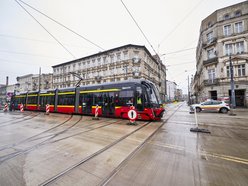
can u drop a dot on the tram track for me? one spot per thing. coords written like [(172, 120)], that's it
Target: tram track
[(30, 138), (20, 118), (104, 149), (46, 141), (128, 158)]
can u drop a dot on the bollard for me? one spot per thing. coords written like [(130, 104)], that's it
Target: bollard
[(197, 129)]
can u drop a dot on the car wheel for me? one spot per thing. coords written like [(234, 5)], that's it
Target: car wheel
[(224, 110), (198, 109)]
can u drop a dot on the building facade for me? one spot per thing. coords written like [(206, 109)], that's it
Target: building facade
[(117, 64), (223, 38), (30, 82)]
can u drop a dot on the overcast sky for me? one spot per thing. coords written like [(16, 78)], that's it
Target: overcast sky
[(169, 26)]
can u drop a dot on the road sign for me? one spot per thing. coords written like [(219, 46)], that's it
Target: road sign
[(132, 115)]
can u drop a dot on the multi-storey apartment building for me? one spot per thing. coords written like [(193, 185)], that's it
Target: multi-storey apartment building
[(30, 82), (117, 64), (223, 36), (24, 83)]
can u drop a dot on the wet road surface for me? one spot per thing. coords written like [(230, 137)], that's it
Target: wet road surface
[(76, 150)]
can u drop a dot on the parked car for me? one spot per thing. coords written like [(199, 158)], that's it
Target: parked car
[(212, 105)]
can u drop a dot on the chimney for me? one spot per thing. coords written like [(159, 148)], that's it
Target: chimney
[(7, 80)]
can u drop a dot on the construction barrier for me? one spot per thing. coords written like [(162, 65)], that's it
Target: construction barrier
[(47, 109), (5, 107), (96, 113), (21, 108)]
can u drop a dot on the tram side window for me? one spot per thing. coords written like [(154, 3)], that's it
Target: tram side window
[(20, 100), (97, 99), (126, 98), (32, 100), (86, 99), (66, 99), (46, 100)]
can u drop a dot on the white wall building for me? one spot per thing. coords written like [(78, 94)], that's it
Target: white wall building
[(171, 90)]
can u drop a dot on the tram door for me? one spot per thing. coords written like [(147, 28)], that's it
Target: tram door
[(87, 102), (108, 106), (43, 103)]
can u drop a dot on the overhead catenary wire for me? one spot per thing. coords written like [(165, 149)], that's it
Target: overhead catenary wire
[(22, 63), (181, 22), (29, 54), (45, 29), (36, 40), (138, 26), (61, 25)]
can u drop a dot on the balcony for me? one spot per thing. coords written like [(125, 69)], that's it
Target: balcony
[(211, 82), (210, 61)]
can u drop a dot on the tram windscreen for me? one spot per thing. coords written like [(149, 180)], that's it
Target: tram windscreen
[(153, 94)]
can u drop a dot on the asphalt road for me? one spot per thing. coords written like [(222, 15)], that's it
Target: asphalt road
[(75, 150)]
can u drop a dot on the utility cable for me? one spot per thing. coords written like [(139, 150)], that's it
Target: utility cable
[(138, 26), (45, 28), (30, 54), (178, 51), (181, 63), (61, 25)]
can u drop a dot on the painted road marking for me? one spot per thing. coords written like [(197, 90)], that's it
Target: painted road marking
[(207, 154)]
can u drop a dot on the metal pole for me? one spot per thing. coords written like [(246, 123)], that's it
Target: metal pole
[(188, 92), (233, 102), (39, 80)]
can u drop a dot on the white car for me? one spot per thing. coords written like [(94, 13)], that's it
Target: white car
[(212, 105)]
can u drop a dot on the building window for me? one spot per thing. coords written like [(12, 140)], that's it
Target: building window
[(227, 30), (99, 61), (125, 55), (226, 16), (118, 56), (104, 60), (136, 54), (211, 53), (210, 37), (111, 58), (228, 49), (238, 13), (93, 62), (239, 27), (240, 47), (210, 24), (211, 75), (241, 70)]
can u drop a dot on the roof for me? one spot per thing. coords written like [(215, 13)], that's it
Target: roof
[(106, 52)]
